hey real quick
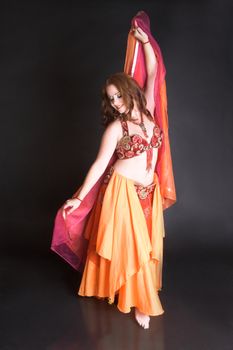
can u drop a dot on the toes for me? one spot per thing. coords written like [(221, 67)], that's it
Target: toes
[(143, 320)]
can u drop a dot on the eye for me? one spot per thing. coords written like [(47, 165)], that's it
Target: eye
[(118, 96)]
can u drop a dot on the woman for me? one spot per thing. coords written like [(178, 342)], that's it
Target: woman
[(124, 228)]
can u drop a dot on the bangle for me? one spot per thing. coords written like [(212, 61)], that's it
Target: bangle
[(146, 42), (79, 199)]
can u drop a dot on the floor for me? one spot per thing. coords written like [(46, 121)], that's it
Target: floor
[(41, 310)]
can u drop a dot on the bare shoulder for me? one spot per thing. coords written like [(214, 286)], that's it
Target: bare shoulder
[(114, 129), (115, 125)]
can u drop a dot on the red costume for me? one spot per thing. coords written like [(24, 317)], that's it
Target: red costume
[(131, 146)]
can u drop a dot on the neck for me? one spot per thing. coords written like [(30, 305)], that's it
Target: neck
[(136, 115), (140, 122)]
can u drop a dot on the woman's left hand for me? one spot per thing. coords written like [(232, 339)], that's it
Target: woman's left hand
[(139, 34)]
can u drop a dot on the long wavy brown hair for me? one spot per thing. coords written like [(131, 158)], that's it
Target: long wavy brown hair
[(130, 92)]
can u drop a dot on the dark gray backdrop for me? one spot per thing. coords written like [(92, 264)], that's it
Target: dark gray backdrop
[(54, 58)]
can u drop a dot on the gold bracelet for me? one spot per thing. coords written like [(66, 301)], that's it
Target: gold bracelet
[(146, 42), (79, 199)]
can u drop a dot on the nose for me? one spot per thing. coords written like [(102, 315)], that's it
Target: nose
[(116, 102)]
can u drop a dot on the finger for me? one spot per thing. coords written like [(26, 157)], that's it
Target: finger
[(140, 31), (134, 29), (64, 214), (70, 210), (66, 205)]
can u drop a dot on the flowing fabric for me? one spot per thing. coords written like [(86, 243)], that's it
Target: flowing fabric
[(125, 251), (68, 239), (135, 66)]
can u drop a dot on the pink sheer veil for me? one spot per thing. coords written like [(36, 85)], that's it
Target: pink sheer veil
[(135, 66), (68, 235)]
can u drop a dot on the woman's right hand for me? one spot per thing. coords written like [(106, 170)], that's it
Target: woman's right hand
[(74, 203)]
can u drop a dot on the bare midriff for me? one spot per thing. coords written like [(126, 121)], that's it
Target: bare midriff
[(135, 168)]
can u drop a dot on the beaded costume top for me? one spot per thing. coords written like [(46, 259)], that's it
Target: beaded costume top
[(130, 146)]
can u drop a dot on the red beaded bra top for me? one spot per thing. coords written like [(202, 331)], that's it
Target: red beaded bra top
[(130, 146)]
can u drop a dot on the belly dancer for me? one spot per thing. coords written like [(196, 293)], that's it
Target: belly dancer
[(116, 216)]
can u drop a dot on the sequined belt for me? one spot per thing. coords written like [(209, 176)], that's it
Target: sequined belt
[(142, 191)]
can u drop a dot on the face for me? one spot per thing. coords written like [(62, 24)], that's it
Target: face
[(115, 98)]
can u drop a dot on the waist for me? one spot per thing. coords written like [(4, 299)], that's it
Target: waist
[(142, 190), (136, 170)]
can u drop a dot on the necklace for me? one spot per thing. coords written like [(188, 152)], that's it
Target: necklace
[(142, 126)]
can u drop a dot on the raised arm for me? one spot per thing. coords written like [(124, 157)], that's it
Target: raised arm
[(151, 65), (106, 150)]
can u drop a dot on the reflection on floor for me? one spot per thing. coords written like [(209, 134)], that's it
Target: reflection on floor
[(41, 310)]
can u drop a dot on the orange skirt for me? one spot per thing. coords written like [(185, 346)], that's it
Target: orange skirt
[(125, 232)]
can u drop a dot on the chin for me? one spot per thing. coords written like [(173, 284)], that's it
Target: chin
[(122, 110)]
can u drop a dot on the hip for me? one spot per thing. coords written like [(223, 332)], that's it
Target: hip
[(142, 190)]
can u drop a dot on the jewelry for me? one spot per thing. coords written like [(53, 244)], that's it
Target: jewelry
[(142, 126), (74, 198), (146, 42)]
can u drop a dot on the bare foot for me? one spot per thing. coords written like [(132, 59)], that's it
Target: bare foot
[(142, 319)]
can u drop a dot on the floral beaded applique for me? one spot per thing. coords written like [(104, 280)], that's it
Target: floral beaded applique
[(134, 145), (144, 191)]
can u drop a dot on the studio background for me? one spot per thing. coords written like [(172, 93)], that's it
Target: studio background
[(55, 56)]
